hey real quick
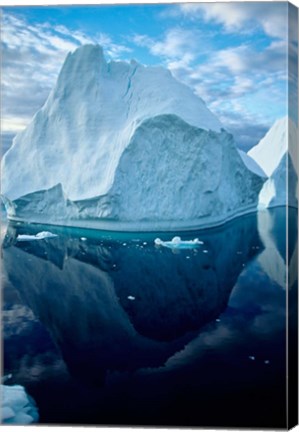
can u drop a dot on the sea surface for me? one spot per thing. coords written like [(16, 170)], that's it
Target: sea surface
[(110, 329)]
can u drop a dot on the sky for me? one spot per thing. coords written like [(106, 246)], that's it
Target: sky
[(233, 55)]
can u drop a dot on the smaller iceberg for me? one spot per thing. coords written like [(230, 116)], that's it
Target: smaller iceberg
[(178, 243), (39, 236), (17, 407)]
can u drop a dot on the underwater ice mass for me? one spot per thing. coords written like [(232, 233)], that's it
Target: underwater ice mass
[(16, 406), (125, 147)]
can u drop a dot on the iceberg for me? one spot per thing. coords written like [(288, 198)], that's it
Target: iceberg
[(276, 154), (122, 146), (39, 236), (178, 243), (251, 164), (17, 407)]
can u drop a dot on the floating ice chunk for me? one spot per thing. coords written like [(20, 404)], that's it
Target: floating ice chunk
[(131, 297), (176, 240), (39, 236), (45, 234), (178, 243), (25, 237), (16, 406)]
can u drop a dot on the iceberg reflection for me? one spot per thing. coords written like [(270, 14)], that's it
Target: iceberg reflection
[(273, 233), (82, 290)]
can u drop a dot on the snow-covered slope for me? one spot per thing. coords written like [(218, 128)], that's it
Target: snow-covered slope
[(127, 143), (276, 154)]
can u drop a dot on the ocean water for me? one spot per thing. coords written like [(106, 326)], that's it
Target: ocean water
[(103, 328)]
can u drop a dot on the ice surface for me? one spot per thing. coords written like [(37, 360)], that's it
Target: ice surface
[(178, 243), (276, 154), (275, 144), (39, 236), (128, 147), (251, 164), (16, 406)]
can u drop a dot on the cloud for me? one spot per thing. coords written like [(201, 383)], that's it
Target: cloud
[(178, 47), (244, 87), (246, 59), (175, 44), (32, 56), (235, 17)]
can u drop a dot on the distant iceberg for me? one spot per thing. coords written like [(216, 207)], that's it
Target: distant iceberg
[(178, 243), (277, 155)]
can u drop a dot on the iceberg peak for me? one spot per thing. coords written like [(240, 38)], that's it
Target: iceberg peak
[(81, 70), (85, 55)]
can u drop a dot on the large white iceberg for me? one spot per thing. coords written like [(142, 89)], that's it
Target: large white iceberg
[(277, 155), (122, 146)]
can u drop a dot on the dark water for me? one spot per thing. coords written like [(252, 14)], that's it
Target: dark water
[(107, 330)]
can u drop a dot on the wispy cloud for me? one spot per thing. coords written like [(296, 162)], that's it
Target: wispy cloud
[(177, 47), (235, 17), (242, 70)]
